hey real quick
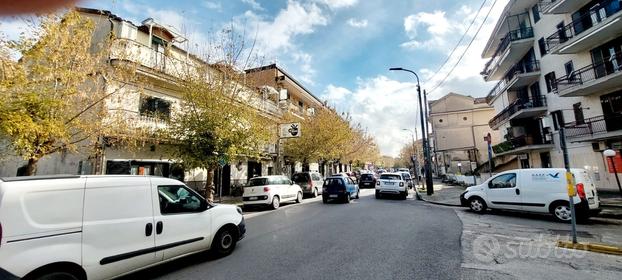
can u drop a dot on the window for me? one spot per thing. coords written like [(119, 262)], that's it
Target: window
[(578, 113), (504, 181), (558, 119), (390, 177), (542, 46), (550, 81), (301, 178), (536, 13), (155, 107), (179, 199), (569, 67), (255, 182)]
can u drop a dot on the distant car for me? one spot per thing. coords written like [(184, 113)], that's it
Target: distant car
[(271, 191), (367, 181), (408, 179), (403, 170), (393, 184), (346, 174), (309, 182), (339, 188)]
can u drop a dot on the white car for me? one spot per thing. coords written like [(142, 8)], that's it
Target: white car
[(271, 191), (540, 190), (102, 227), (391, 183)]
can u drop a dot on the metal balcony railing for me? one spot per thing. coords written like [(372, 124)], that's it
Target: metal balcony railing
[(589, 73), (594, 126), (520, 68), (164, 62), (515, 107), (596, 15), (514, 35), (521, 141)]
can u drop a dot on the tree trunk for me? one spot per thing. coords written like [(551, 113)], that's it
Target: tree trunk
[(31, 168), (209, 185)]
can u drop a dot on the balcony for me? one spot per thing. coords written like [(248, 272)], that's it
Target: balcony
[(596, 128), (520, 75), (520, 109), (270, 107), (523, 144), (561, 6), (172, 63), (512, 48), (600, 25), (592, 79)]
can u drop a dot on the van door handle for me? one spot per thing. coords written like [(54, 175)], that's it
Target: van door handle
[(148, 229), (517, 192), (159, 227)]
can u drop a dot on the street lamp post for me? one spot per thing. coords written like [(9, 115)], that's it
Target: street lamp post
[(610, 154), (426, 154)]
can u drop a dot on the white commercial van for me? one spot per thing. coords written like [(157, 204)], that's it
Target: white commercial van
[(541, 190), (101, 227)]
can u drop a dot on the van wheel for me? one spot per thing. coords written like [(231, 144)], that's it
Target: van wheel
[(275, 203), (314, 192), (477, 205), (561, 212), (299, 198), (224, 242)]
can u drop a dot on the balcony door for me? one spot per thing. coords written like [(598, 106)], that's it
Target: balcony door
[(612, 110)]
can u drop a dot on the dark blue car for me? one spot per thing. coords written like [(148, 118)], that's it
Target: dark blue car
[(339, 188)]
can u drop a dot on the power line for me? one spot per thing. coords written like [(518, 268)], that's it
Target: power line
[(465, 50), (459, 41)]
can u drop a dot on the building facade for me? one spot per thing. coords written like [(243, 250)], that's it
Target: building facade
[(459, 125), (557, 64)]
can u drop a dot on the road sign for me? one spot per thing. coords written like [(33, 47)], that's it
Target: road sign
[(289, 130)]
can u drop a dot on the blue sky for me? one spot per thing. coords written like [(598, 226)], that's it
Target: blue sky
[(341, 49)]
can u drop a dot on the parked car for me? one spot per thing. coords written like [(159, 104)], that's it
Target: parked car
[(540, 190), (408, 179), (271, 191), (346, 174), (367, 181), (403, 170), (309, 182), (340, 188), (101, 227), (392, 184)]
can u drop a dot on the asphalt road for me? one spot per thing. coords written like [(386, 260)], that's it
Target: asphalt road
[(366, 239)]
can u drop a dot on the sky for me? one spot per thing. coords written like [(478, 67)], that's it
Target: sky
[(341, 50)]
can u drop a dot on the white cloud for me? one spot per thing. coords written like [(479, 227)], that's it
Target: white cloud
[(304, 61), (436, 25), (212, 5), (357, 23), (253, 4), (381, 104), (338, 4)]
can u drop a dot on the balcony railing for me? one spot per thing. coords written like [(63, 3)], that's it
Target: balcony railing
[(520, 68), (589, 73), (514, 35), (515, 107), (604, 10), (521, 141), (594, 126)]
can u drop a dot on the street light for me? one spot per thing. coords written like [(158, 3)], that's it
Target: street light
[(426, 152), (610, 154)]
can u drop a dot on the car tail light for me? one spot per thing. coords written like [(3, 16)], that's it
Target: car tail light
[(581, 190), (266, 189), (401, 184)]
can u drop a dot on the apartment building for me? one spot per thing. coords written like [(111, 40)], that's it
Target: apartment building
[(557, 64), (459, 125)]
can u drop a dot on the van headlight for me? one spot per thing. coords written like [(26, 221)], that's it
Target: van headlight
[(239, 210)]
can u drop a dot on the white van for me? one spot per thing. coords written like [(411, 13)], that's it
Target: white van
[(101, 227), (541, 190)]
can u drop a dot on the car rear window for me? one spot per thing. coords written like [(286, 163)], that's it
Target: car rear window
[(406, 175), (300, 178), (333, 182), (367, 176), (390, 177), (258, 182)]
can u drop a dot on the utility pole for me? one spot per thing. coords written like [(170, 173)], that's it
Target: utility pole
[(426, 148), (570, 183)]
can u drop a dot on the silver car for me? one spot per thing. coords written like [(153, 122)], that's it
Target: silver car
[(309, 182)]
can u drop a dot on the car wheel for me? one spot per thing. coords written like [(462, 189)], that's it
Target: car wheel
[(224, 242), (299, 198), (561, 212), (56, 275), (314, 192), (357, 194), (378, 195), (324, 200), (275, 203), (404, 195), (477, 205), (346, 199)]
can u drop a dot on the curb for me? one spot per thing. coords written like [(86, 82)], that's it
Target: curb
[(592, 247), (420, 197)]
